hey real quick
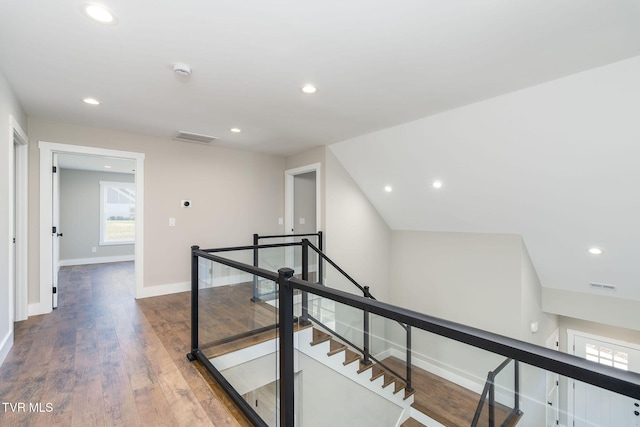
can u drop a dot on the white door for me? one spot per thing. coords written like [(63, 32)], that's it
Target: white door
[(594, 406), (553, 382), (56, 233)]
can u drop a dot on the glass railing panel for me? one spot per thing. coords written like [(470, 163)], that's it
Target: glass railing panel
[(238, 334)]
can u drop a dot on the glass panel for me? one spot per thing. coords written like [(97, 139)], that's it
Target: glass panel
[(238, 334)]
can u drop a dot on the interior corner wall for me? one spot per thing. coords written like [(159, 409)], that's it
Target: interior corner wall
[(468, 278), (9, 106), (357, 238), (80, 217), (234, 194), (531, 305)]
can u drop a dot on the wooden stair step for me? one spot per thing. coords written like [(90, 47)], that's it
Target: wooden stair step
[(376, 372), (335, 347), (363, 367), (350, 357), (319, 337), (408, 394)]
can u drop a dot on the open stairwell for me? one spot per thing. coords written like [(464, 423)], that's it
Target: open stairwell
[(328, 351)]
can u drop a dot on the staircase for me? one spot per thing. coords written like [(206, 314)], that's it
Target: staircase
[(325, 349)]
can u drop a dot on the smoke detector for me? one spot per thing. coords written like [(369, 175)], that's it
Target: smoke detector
[(182, 69)]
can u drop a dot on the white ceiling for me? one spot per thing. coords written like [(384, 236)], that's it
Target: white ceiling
[(377, 64)]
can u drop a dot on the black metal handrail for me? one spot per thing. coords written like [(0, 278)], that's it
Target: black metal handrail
[(256, 258), (489, 393), (623, 382), (366, 325)]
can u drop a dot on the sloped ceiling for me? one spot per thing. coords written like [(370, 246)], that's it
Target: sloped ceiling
[(556, 164)]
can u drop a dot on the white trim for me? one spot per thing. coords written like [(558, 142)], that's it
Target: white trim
[(96, 260), (288, 194), (18, 291), (5, 346), (170, 288), (46, 153)]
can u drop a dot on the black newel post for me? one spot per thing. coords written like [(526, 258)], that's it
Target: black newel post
[(285, 321), (304, 318), (365, 344), (256, 293), (320, 259), (194, 303), (409, 387)]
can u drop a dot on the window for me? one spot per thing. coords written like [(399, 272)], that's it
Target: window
[(607, 356), (117, 213)]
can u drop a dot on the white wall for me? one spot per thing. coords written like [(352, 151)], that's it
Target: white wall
[(358, 239), (227, 187), (9, 106), (80, 217)]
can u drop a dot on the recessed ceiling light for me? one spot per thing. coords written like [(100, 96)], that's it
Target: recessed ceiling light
[(309, 89), (235, 130), (99, 13), (107, 167), (437, 184), (91, 101), (388, 188), (595, 251)]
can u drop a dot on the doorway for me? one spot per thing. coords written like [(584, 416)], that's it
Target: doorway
[(594, 406), (18, 252), (303, 213), (48, 153)]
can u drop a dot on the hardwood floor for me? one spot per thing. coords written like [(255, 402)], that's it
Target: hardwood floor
[(104, 359)]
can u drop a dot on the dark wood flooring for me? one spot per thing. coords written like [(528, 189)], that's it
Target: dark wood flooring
[(104, 359)]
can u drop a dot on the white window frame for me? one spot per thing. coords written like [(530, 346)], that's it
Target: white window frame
[(103, 217)]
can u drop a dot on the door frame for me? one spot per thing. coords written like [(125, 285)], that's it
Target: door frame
[(289, 174), (46, 257), (18, 223), (571, 334)]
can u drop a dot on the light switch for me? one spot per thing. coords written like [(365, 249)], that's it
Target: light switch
[(172, 222), (280, 221), (302, 221)]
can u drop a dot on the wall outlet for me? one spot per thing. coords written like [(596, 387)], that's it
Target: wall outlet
[(280, 221), (172, 222), (94, 249)]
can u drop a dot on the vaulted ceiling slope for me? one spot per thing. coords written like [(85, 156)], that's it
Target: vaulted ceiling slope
[(377, 63), (556, 164)]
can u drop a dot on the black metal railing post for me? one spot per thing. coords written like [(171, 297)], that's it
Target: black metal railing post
[(304, 318), (320, 260), (366, 344), (256, 292), (516, 386), (492, 399), (409, 388), (194, 303), (285, 320)]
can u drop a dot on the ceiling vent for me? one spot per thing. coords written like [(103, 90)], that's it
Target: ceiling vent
[(194, 137), (602, 286)]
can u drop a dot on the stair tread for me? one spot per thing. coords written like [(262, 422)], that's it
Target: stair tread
[(319, 337), (350, 357), (335, 347)]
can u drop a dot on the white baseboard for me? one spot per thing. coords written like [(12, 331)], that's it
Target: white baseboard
[(5, 345), (96, 260), (171, 288)]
